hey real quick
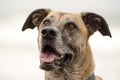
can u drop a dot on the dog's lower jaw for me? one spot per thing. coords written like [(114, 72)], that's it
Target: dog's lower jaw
[(74, 71)]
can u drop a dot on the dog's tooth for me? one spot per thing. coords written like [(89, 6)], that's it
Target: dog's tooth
[(61, 56)]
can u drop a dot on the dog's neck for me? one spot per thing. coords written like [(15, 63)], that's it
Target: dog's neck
[(80, 69)]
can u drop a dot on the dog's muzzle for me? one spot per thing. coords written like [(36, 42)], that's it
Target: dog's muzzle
[(53, 53)]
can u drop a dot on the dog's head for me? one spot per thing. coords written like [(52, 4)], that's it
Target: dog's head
[(63, 36)]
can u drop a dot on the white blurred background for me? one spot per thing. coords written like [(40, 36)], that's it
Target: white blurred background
[(19, 56)]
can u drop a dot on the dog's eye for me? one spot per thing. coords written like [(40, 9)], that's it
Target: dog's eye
[(46, 22), (71, 26)]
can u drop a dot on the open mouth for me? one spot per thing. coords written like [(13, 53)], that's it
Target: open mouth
[(49, 55)]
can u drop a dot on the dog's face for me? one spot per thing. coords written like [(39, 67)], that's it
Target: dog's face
[(58, 40), (63, 36)]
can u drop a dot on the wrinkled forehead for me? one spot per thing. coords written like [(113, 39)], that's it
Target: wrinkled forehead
[(62, 17)]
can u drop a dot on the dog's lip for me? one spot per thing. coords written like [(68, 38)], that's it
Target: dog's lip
[(49, 55), (51, 59)]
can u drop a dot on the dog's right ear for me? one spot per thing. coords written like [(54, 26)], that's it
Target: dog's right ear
[(96, 22), (35, 18)]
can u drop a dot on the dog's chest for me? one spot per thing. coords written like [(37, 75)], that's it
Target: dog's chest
[(68, 76), (62, 76)]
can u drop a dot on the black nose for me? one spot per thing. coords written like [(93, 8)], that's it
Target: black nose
[(49, 33)]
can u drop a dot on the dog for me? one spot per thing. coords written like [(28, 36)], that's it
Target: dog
[(65, 53)]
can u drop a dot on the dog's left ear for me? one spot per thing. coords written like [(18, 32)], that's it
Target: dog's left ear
[(96, 22), (35, 18)]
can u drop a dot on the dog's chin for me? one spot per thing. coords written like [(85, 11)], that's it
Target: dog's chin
[(50, 59)]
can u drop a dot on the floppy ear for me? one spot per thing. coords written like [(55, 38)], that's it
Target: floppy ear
[(35, 18), (96, 22)]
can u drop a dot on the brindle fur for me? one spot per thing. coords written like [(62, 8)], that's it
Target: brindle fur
[(82, 65)]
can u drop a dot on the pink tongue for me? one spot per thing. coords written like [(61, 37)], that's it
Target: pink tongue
[(47, 57)]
